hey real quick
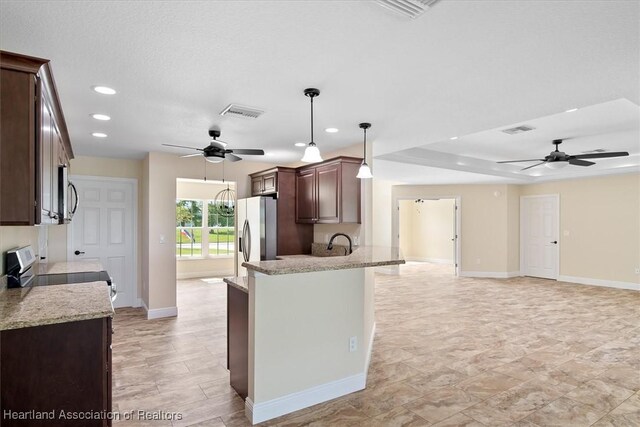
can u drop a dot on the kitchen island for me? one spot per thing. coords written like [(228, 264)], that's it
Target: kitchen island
[(310, 327)]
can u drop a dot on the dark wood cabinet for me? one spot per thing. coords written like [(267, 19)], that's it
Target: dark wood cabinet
[(306, 196), (238, 340), (34, 142), (293, 237), (329, 192), (61, 367), (264, 183)]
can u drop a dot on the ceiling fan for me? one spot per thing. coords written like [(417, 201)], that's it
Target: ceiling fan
[(558, 159), (217, 150)]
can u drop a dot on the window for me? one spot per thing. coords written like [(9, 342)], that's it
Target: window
[(201, 231)]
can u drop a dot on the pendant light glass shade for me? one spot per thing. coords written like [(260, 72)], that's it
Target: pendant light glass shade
[(365, 170), (311, 153)]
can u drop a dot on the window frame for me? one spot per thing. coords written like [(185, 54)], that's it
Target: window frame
[(205, 248)]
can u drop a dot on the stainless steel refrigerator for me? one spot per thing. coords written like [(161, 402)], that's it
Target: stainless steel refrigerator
[(257, 219)]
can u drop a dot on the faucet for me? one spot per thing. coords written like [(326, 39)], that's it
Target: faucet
[(330, 245)]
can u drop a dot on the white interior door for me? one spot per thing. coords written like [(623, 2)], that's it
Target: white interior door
[(539, 245), (103, 229)]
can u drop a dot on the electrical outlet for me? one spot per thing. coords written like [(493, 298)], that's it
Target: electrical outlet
[(163, 239), (356, 240), (353, 344), (637, 270)]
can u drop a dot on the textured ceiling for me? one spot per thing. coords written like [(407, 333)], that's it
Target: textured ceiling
[(461, 68)]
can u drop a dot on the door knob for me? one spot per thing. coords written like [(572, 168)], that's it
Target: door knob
[(79, 252), (555, 242)]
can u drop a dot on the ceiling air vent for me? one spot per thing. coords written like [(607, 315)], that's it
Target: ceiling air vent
[(235, 110), (410, 8), (518, 129)]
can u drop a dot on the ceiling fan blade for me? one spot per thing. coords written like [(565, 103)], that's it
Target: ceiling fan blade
[(532, 166), (601, 155), (578, 162), (516, 161), (182, 146), (250, 151), (192, 155), (232, 157)]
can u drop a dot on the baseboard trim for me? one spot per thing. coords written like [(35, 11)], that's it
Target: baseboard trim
[(431, 260), (393, 271), (490, 274), (204, 274), (158, 313), (600, 282), (260, 412), (370, 350)]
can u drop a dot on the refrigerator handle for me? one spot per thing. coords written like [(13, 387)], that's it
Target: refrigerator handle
[(247, 242)]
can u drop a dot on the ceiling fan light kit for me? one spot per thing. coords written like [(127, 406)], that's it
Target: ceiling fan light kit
[(311, 153), (217, 151), (364, 172)]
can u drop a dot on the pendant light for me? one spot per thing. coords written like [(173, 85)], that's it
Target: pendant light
[(365, 171), (225, 200), (311, 153)]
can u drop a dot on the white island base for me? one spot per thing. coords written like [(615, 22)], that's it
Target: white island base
[(302, 329)]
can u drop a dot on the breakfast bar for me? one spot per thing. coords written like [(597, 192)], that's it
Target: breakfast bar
[(310, 327)]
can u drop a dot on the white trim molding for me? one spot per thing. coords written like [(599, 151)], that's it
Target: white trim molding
[(259, 412), (204, 274), (600, 282), (490, 274), (431, 260), (159, 313)]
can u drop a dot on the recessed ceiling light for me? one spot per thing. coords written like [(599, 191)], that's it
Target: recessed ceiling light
[(103, 117), (300, 144), (453, 138), (331, 130), (104, 90), (571, 110), (99, 134)]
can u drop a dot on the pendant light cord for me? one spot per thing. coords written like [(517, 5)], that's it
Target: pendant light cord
[(312, 120), (364, 156)]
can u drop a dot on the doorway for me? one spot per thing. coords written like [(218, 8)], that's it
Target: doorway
[(104, 228), (539, 241), (428, 231)]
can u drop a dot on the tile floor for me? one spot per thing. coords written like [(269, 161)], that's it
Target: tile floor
[(448, 352)]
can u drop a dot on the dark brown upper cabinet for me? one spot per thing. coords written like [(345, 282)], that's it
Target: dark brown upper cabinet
[(34, 142), (329, 192), (265, 183)]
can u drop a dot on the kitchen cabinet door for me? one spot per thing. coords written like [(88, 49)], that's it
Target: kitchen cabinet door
[(270, 183), (18, 204), (306, 206), (328, 193), (256, 186)]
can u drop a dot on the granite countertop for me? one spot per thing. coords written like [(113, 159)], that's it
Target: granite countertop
[(241, 283), (46, 305), (362, 256), (70, 267)]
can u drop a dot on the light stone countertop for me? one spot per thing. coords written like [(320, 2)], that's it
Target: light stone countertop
[(47, 305), (70, 267), (241, 283), (362, 256)]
